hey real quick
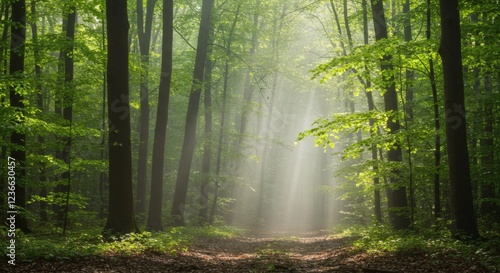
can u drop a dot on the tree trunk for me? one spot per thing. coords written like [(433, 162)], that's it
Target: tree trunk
[(223, 116), (121, 218), (408, 103), (39, 89), (396, 199), (207, 146), (155, 205), (68, 105), (18, 139), (246, 105), (188, 145), (371, 107), (437, 126), (144, 33), (463, 215)]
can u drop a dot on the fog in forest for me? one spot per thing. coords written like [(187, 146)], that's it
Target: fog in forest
[(296, 178)]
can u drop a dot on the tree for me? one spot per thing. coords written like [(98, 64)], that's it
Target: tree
[(144, 33), (207, 145), (188, 144), (463, 215), (396, 194), (437, 124), (155, 205), (18, 138), (121, 218)]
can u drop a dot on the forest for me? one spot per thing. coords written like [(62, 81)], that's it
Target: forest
[(250, 136)]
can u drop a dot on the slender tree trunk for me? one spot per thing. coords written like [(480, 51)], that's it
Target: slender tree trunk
[(463, 215), (397, 200), (437, 126), (371, 107), (144, 33), (188, 145), (39, 89), (17, 138), (223, 116), (408, 103), (61, 187), (207, 146), (245, 111), (248, 92), (157, 171), (121, 218), (68, 104)]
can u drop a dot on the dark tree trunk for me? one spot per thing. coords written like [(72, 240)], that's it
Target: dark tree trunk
[(371, 107), (121, 218), (68, 105), (144, 33), (155, 205), (39, 90), (61, 187), (188, 145), (18, 139), (396, 199), (463, 215), (437, 126), (410, 78), (207, 146)]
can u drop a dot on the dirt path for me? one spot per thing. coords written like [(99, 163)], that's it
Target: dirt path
[(263, 252)]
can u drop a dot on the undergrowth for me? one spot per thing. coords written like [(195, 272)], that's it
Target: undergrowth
[(380, 238), (90, 242)]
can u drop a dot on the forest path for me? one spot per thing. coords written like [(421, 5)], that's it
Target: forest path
[(262, 251)]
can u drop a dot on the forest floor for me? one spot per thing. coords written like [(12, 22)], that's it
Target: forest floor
[(263, 252)]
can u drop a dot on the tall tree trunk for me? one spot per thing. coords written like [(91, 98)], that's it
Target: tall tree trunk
[(371, 107), (188, 145), (38, 74), (68, 105), (207, 146), (223, 117), (245, 111), (248, 92), (61, 187), (17, 138), (121, 218), (144, 33), (437, 126), (155, 205), (463, 215), (408, 103), (396, 199)]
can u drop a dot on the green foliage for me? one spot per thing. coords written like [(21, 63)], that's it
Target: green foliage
[(381, 238), (91, 242)]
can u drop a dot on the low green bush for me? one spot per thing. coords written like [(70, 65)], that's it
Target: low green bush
[(170, 241), (381, 238)]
